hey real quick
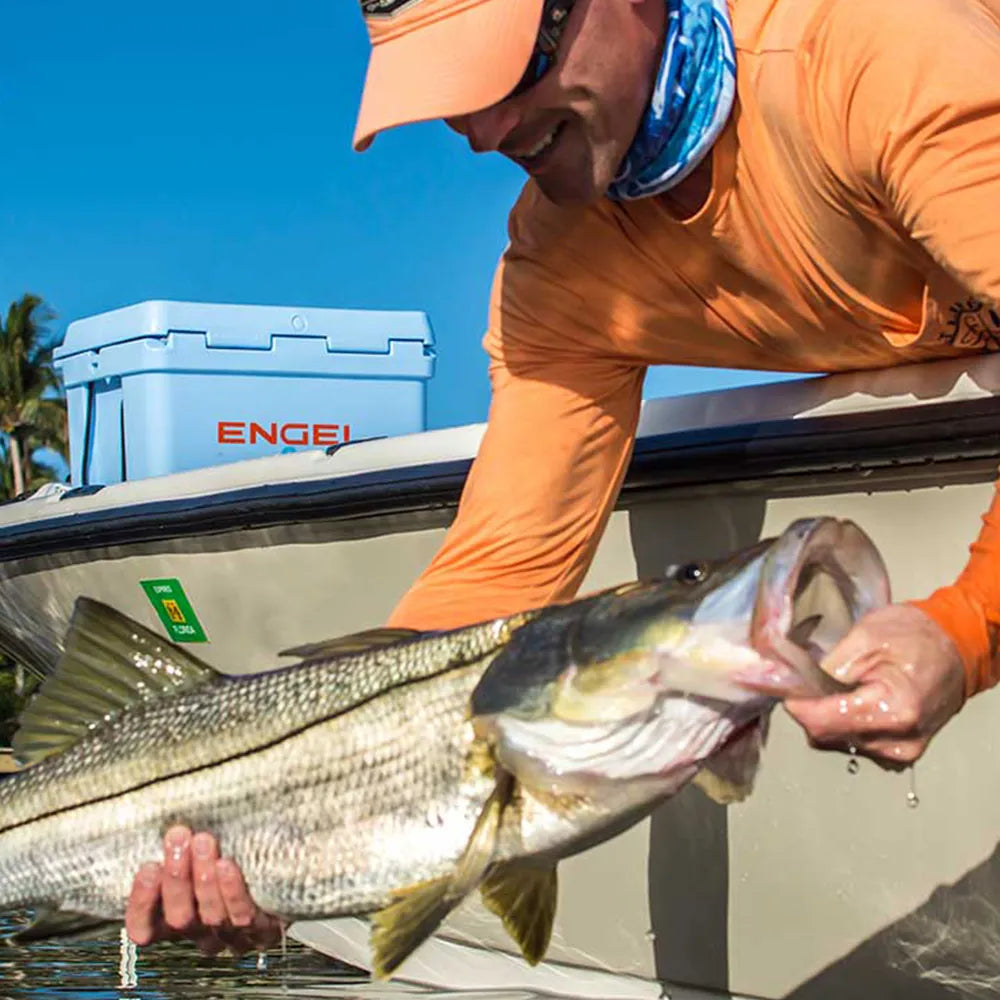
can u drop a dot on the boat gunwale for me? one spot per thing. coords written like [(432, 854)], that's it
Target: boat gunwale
[(852, 445)]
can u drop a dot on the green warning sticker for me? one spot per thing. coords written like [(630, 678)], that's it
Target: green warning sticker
[(175, 611)]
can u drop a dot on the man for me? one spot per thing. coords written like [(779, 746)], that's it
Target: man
[(811, 186)]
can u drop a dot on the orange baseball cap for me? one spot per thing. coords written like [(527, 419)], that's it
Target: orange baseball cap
[(439, 58)]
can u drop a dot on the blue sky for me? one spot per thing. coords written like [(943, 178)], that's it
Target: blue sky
[(201, 151)]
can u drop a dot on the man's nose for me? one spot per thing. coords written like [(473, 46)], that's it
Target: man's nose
[(487, 129)]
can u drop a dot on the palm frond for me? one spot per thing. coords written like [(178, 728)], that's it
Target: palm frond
[(32, 411)]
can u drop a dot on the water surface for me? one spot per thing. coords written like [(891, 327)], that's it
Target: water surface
[(111, 969)]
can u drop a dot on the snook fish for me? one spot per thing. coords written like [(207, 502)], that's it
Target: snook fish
[(390, 774)]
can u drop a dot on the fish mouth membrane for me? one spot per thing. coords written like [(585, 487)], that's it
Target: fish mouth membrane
[(820, 577)]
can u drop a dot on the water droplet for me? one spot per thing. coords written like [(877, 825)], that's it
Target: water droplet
[(853, 766), (261, 961), (650, 935), (911, 796)]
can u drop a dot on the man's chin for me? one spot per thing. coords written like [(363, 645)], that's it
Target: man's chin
[(569, 192)]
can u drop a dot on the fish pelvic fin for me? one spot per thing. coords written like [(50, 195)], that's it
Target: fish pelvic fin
[(109, 663), (66, 925), (728, 776), (524, 898), (417, 911)]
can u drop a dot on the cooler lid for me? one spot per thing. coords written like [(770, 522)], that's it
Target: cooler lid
[(252, 327)]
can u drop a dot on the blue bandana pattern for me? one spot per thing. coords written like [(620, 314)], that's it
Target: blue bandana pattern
[(691, 101)]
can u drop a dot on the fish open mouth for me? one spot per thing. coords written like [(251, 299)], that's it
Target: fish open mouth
[(817, 580)]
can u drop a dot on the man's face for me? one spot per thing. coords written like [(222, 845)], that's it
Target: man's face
[(571, 130)]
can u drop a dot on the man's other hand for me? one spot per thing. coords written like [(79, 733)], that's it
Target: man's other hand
[(197, 896)]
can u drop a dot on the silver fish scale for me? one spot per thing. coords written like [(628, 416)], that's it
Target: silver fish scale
[(234, 716), (330, 821)]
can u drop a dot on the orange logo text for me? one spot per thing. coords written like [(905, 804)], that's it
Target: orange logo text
[(248, 432)]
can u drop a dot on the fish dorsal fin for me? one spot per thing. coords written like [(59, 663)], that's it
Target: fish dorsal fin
[(109, 663), (524, 898), (416, 912), (357, 642)]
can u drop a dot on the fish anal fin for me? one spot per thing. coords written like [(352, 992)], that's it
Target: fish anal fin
[(416, 911), (66, 925), (401, 927), (728, 776), (109, 663), (357, 642), (524, 898)]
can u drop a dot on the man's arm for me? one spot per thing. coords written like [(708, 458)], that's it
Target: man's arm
[(923, 134), (906, 102), (969, 609), (931, 149), (540, 491)]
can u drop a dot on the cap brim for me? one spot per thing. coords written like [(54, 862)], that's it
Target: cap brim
[(454, 65)]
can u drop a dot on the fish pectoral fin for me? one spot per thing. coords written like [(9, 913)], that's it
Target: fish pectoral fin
[(357, 642), (718, 788), (728, 776), (67, 925), (109, 663), (416, 912), (524, 898)]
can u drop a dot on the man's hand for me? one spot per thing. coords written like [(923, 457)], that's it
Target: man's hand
[(910, 683), (196, 895)]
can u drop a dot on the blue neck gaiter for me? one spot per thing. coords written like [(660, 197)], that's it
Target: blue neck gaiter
[(691, 101)]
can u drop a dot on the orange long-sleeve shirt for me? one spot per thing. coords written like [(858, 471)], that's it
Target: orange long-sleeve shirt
[(852, 223)]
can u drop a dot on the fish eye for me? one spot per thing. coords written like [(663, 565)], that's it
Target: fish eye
[(690, 573)]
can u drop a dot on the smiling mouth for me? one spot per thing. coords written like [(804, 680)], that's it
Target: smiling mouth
[(533, 157)]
